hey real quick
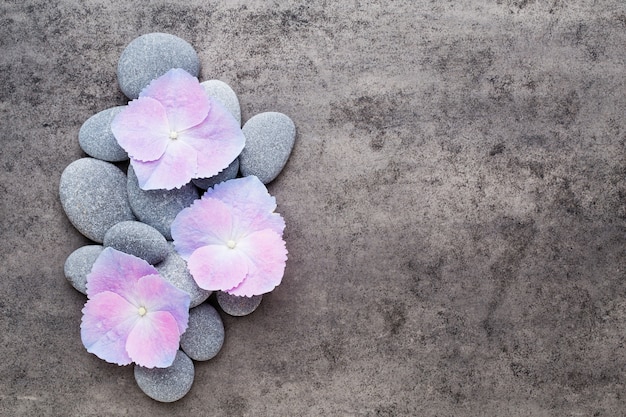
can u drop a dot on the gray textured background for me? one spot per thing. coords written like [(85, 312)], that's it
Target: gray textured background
[(455, 205)]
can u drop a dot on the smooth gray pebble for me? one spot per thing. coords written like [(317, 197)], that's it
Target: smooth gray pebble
[(96, 138), (204, 336), (139, 239), (167, 384), (78, 265), (238, 306)]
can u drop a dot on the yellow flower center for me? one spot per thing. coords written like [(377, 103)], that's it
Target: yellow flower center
[(173, 134), (142, 311), (231, 244)]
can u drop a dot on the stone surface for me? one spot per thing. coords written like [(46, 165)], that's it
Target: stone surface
[(93, 195), (96, 138), (174, 270), (224, 94), (238, 306), (139, 239), (151, 55), (78, 265), (204, 337), (159, 208), (269, 140), (167, 384), (226, 174)]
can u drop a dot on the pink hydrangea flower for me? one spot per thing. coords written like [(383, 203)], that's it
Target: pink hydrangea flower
[(174, 132), (232, 239), (132, 314)]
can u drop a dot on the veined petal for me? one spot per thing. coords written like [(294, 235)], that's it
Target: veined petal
[(218, 141), (154, 340), (206, 222), (142, 129), (156, 294), (266, 254), (182, 96), (107, 321), (117, 272), (217, 267), (173, 170)]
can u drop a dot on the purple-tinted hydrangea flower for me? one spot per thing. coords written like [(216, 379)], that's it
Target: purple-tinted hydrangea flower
[(232, 239), (132, 314), (174, 132)]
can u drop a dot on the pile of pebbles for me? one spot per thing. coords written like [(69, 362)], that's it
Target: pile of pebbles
[(106, 205)]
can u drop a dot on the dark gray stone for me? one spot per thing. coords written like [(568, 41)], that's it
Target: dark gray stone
[(167, 384), (238, 306), (174, 270), (78, 265), (226, 174), (269, 140), (93, 195), (225, 95), (150, 56), (137, 239), (204, 336), (96, 138), (158, 208)]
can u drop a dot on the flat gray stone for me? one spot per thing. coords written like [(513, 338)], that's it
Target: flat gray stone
[(269, 140), (150, 56), (238, 306), (158, 208), (96, 138), (167, 384), (204, 336), (225, 95), (174, 270), (139, 239), (78, 265), (93, 195), (226, 174)]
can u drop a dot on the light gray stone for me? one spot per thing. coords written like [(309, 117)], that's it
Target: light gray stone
[(93, 195), (269, 140), (204, 336), (238, 306), (137, 239), (174, 270), (226, 174), (96, 138), (167, 384), (158, 208), (150, 56), (78, 265), (225, 95)]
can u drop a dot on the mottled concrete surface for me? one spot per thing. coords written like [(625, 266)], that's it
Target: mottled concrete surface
[(455, 202)]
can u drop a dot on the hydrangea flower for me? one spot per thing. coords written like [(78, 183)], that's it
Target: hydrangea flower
[(174, 132), (132, 314), (232, 239)]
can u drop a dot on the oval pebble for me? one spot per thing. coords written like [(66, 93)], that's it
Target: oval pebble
[(93, 195), (174, 270), (150, 56), (269, 140), (139, 239), (204, 336), (226, 174), (167, 384), (158, 208), (96, 138), (78, 265), (225, 95), (238, 306)]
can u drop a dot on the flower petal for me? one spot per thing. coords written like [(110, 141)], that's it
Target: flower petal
[(252, 204), (186, 104), (218, 141), (107, 321), (117, 272), (267, 254), (156, 294), (154, 340), (142, 129), (173, 170), (217, 267), (206, 222)]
